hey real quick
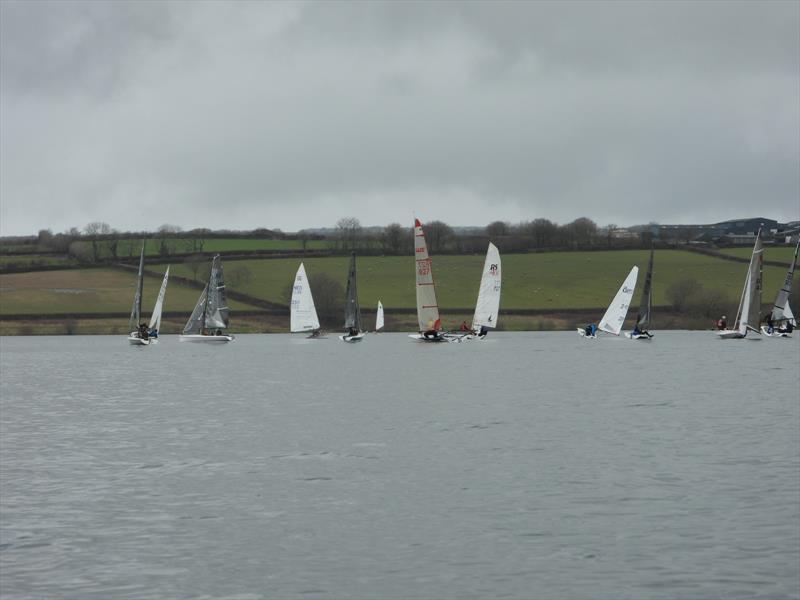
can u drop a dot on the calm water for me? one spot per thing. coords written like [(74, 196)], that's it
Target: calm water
[(529, 465)]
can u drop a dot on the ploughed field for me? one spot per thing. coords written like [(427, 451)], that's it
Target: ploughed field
[(546, 281)]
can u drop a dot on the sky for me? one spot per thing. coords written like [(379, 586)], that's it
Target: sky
[(293, 115)]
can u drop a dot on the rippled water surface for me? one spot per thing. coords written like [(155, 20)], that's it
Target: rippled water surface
[(527, 465)]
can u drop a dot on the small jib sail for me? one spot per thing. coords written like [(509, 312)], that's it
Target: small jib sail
[(211, 311), (781, 311), (646, 303), (379, 317), (352, 311), (749, 311), (155, 318), (136, 311), (427, 307), (615, 315), (488, 305), (303, 314)]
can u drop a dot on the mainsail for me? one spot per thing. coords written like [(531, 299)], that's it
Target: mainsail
[(427, 307), (781, 306), (646, 303), (211, 310), (615, 315), (136, 311), (379, 317), (352, 312), (303, 314), (155, 319), (488, 304), (749, 311)]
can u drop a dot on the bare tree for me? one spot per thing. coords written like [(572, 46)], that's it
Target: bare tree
[(167, 228), (498, 229), (348, 230), (609, 231), (683, 293), (392, 238), (437, 235), (583, 231), (195, 263)]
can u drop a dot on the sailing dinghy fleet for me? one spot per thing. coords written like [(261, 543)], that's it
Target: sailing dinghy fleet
[(209, 320)]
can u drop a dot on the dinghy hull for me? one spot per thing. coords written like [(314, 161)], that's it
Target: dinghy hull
[(206, 338)]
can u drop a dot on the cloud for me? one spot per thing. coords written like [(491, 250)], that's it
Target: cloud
[(293, 115)]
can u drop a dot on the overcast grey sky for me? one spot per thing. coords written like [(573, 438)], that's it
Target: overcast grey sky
[(293, 115)]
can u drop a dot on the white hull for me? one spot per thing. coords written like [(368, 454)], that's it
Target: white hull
[(637, 336), (730, 334), (352, 338), (582, 333), (206, 338), (775, 333), (137, 341), (421, 338)]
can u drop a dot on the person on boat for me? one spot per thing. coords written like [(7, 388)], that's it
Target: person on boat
[(722, 323), (464, 326), (353, 332), (143, 331), (431, 334), (483, 332), (591, 329), (770, 323), (786, 327), (153, 333), (218, 332), (314, 333)]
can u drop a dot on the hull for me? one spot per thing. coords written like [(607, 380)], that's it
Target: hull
[(431, 340), (582, 333), (775, 333), (637, 336), (352, 338), (206, 338), (730, 334), (137, 341)]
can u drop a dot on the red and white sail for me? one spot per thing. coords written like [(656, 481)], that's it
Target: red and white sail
[(427, 307)]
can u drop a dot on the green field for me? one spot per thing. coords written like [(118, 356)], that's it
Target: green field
[(541, 281), (779, 253), (88, 290)]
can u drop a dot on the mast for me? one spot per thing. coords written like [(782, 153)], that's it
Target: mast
[(352, 314), (136, 311), (645, 306), (208, 293)]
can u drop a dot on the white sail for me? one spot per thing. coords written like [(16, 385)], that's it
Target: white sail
[(427, 307), (379, 317), (488, 305), (615, 315), (787, 314), (303, 314), (748, 314), (136, 311), (155, 319)]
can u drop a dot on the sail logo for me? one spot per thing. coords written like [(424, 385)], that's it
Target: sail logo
[(493, 270), (419, 250), (424, 267), (626, 290)]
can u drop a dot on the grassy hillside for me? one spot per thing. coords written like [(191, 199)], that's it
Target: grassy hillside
[(543, 281), (780, 253), (88, 290)]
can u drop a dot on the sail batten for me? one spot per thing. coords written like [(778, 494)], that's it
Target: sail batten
[(155, 318), (352, 311), (615, 314), (211, 310), (303, 314), (428, 317), (781, 305), (488, 305)]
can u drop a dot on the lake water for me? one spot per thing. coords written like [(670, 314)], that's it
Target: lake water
[(527, 465)]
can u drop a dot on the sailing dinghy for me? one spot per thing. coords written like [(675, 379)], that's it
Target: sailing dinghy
[(210, 317), (488, 305), (352, 311), (379, 317), (141, 334), (781, 310), (430, 324), (747, 315), (615, 314), (303, 313), (640, 331)]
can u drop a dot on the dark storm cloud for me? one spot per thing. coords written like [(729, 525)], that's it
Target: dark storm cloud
[(292, 115)]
